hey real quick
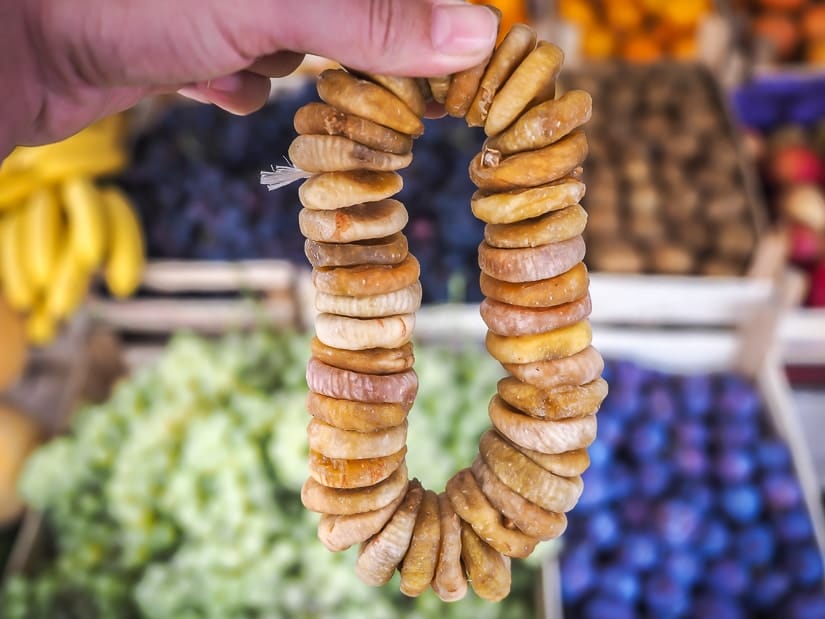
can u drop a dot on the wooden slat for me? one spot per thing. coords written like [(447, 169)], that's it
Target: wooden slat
[(671, 300), (200, 276), (802, 337), (202, 315)]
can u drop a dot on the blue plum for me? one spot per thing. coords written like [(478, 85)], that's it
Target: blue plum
[(713, 539), (728, 577), (639, 550), (734, 466), (741, 503), (659, 404), (755, 545), (665, 596), (804, 563), (718, 607), (696, 395), (683, 566), (618, 582), (773, 455), (691, 462), (807, 606), (677, 522), (603, 607), (648, 439), (603, 529), (781, 491), (654, 477), (768, 589), (794, 526)]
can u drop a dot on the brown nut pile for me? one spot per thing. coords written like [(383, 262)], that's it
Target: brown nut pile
[(361, 379), (666, 191)]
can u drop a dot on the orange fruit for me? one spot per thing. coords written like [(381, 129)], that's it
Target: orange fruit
[(684, 48), (642, 49), (624, 15), (578, 12), (598, 43), (685, 12), (813, 22)]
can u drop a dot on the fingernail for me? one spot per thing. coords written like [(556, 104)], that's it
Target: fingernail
[(462, 29), (191, 92), (227, 83)]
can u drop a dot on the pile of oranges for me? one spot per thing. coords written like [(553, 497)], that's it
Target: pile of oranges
[(637, 30)]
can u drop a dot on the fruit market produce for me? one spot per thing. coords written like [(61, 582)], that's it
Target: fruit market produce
[(786, 120), (19, 435), (638, 31), (13, 338), (57, 228), (666, 189), (794, 29), (180, 496), (691, 507), (544, 415)]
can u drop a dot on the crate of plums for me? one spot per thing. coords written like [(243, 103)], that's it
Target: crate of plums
[(677, 231), (700, 500)]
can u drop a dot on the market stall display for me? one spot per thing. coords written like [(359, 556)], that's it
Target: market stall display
[(691, 507), (57, 228), (180, 496)]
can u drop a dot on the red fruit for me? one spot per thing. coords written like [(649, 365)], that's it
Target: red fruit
[(816, 297), (795, 164), (805, 245)]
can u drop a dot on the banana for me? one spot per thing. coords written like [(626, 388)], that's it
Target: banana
[(41, 327), (87, 221), (126, 259), (42, 233), (69, 284), (104, 160), (15, 187), (17, 286)]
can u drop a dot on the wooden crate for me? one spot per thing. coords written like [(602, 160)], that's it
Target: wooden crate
[(209, 298)]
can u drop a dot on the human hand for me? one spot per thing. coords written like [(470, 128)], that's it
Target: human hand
[(67, 64)]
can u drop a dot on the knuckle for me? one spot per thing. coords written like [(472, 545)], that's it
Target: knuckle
[(383, 24)]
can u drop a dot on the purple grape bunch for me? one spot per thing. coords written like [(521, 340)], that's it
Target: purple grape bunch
[(691, 508)]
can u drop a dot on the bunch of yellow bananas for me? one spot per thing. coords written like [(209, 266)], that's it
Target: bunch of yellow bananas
[(57, 228)]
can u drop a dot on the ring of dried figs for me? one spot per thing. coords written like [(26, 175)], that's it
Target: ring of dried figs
[(361, 377)]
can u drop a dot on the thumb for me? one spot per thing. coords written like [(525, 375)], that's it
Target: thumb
[(398, 37)]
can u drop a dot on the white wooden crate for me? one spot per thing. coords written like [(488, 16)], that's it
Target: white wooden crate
[(247, 294)]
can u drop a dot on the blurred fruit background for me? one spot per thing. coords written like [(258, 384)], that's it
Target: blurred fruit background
[(706, 197), (793, 31)]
